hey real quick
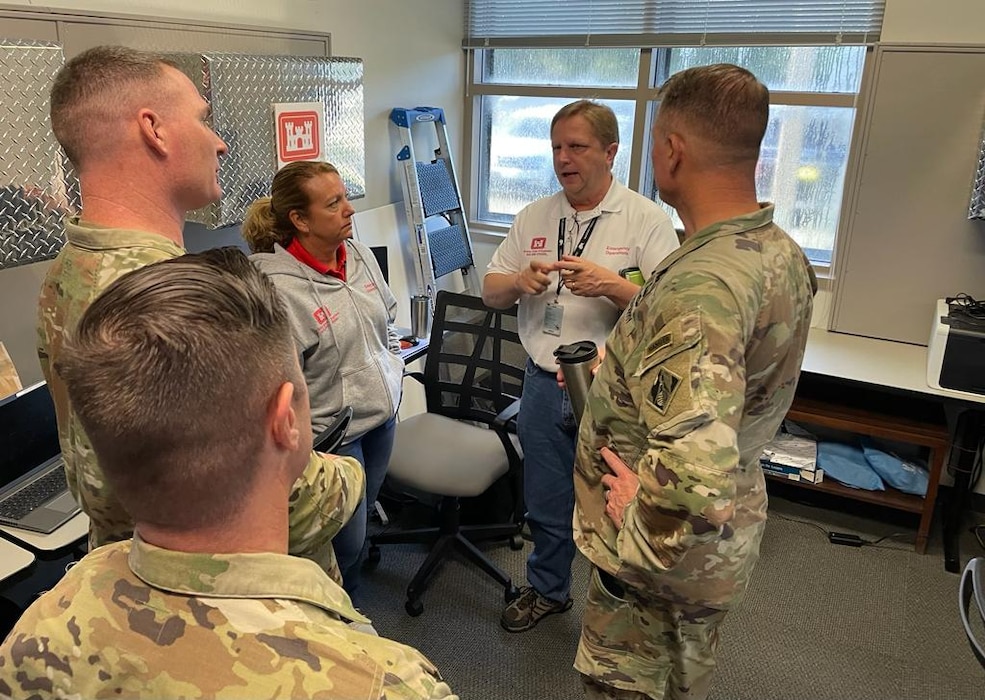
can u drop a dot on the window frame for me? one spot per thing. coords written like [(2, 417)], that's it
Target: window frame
[(653, 62)]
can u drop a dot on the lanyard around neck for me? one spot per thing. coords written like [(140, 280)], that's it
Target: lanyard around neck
[(579, 249)]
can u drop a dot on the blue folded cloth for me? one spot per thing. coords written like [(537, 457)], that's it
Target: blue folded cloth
[(846, 464), (907, 477)]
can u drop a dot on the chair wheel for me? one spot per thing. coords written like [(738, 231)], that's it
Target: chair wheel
[(516, 542), (510, 592), (373, 556), (413, 607)]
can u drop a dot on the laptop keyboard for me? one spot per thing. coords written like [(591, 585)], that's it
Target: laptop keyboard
[(19, 504)]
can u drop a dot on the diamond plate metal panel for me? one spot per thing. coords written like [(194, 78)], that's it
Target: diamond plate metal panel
[(977, 208), (241, 90), (37, 186)]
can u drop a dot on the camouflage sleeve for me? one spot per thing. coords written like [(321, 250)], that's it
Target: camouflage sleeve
[(322, 501), (692, 390)]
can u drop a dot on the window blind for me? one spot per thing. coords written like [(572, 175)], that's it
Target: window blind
[(660, 22)]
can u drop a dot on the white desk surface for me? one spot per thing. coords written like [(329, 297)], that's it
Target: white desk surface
[(13, 559), (74, 529), (880, 362)]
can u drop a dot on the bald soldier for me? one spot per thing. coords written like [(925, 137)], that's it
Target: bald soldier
[(136, 130), (698, 374), (185, 377)]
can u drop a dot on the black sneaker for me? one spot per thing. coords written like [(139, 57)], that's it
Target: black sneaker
[(528, 608)]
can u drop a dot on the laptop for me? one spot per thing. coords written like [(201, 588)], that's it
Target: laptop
[(33, 492)]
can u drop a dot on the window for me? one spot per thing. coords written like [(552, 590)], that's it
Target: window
[(520, 78)]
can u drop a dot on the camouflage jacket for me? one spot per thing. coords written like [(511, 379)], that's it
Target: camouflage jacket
[(697, 377), (323, 499), (132, 620), (91, 260)]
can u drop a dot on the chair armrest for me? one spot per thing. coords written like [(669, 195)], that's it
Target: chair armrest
[(972, 586), (507, 415), (334, 434), (504, 424), (419, 376)]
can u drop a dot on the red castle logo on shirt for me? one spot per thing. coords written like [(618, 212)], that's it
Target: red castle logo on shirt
[(538, 243), (323, 317)]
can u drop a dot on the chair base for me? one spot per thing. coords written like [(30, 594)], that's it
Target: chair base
[(449, 536)]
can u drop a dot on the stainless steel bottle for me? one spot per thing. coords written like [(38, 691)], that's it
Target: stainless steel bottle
[(420, 316), (577, 360)]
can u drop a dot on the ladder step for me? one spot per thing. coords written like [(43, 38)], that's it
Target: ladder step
[(449, 250), (437, 190)]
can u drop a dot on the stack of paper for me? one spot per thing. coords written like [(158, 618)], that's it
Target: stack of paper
[(792, 457)]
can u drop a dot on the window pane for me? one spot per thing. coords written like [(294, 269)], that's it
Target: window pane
[(516, 165), (835, 69), (562, 67), (801, 170)]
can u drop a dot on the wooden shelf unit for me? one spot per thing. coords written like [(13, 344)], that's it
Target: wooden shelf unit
[(929, 435)]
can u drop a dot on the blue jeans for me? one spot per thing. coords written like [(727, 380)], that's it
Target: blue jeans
[(373, 450), (547, 431)]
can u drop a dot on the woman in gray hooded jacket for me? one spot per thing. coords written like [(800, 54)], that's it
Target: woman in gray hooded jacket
[(342, 315)]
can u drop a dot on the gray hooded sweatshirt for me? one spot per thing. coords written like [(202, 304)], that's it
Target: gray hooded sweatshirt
[(345, 334)]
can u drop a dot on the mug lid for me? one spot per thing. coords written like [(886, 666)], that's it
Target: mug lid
[(579, 351)]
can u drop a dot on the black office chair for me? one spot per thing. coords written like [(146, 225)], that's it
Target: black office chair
[(332, 436), (466, 440), (973, 587)]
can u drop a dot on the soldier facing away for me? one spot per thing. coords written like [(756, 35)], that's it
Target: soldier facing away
[(698, 374), (185, 377)]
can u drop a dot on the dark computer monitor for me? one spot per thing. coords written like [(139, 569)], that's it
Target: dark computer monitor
[(28, 431), (380, 253)]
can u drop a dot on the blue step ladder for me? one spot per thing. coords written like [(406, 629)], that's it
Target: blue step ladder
[(433, 204)]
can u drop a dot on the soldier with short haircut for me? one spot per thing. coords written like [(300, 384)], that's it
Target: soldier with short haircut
[(698, 374), (136, 130), (185, 377)]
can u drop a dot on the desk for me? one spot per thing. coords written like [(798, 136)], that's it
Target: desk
[(900, 368), (13, 559), (415, 352), (68, 534)]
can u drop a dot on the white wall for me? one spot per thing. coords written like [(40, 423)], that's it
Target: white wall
[(411, 55), (934, 21)]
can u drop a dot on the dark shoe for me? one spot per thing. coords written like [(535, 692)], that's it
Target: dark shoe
[(528, 608)]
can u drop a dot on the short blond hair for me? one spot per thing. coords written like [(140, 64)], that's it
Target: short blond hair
[(600, 118)]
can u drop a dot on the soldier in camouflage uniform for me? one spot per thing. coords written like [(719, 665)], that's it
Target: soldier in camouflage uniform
[(135, 129), (697, 377), (204, 601)]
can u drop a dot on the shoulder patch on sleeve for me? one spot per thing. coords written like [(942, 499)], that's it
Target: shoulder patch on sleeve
[(662, 391)]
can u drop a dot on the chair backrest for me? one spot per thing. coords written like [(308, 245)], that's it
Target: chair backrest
[(973, 588), (475, 363)]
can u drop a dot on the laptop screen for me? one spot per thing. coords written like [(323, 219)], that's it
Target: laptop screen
[(28, 432)]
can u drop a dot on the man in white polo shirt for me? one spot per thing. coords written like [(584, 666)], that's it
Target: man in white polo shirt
[(562, 261)]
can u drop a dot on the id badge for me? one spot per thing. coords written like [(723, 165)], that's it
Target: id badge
[(553, 315)]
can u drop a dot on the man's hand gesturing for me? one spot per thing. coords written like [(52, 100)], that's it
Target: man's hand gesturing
[(534, 279)]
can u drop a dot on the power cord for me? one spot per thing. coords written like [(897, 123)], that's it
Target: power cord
[(847, 538), (966, 306)]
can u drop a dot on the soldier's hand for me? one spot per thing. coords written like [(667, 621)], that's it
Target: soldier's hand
[(534, 279), (620, 486), (585, 278)]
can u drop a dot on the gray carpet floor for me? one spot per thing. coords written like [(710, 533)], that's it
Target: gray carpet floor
[(820, 621)]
